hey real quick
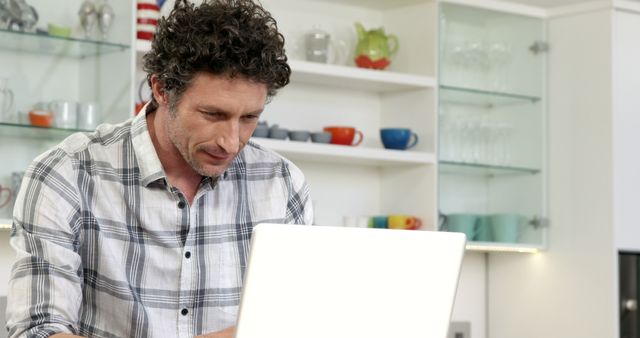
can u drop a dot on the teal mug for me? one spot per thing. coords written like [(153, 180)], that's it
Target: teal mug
[(484, 232), (464, 223), (506, 228)]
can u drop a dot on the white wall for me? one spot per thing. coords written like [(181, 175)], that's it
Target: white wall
[(569, 291)]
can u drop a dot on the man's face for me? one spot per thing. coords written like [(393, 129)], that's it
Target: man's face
[(214, 119)]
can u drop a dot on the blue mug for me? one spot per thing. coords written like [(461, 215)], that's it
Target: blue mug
[(398, 138)]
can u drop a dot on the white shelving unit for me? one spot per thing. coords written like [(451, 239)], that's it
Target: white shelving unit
[(329, 153), (357, 78)]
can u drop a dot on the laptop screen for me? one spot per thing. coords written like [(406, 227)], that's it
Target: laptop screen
[(334, 282)]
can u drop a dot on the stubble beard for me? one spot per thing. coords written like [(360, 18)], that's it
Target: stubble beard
[(177, 137)]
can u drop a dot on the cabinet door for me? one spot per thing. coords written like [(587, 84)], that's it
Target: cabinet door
[(626, 121), (491, 127)]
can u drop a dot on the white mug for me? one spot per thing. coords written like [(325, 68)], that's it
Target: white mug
[(6, 99), (88, 114), (64, 114)]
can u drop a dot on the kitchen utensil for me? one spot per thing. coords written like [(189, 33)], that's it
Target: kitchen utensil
[(465, 223), (88, 17), (262, 130), (59, 31), (275, 132), (6, 100), (106, 16), (88, 115), (41, 118), (506, 228), (321, 137), (299, 135), (344, 135), (19, 15), (404, 222), (64, 114), (6, 196), (398, 138), (375, 48), (147, 17), (317, 45)]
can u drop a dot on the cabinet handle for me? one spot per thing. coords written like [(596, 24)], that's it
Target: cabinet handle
[(537, 222), (539, 47), (629, 305)]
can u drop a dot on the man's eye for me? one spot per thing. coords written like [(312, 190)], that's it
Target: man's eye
[(251, 117), (212, 114)]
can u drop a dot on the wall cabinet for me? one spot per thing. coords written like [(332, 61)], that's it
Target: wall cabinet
[(492, 176)]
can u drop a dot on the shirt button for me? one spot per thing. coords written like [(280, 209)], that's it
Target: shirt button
[(187, 254), (181, 204), (184, 312)]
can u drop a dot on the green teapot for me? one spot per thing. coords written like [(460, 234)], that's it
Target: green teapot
[(374, 48)]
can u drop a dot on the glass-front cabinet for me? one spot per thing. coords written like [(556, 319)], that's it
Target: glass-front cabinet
[(492, 176), (58, 77)]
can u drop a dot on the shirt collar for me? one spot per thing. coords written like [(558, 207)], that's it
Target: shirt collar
[(150, 166)]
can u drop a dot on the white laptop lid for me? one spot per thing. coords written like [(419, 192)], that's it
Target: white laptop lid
[(336, 282)]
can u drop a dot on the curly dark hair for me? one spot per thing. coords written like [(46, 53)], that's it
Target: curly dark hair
[(230, 37)]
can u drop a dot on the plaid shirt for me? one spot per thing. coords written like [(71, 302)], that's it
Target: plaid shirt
[(107, 248)]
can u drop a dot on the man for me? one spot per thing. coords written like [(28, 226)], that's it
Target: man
[(142, 229)]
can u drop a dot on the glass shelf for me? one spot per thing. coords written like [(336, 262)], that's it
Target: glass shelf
[(479, 169), (25, 130), (483, 98), (52, 45)]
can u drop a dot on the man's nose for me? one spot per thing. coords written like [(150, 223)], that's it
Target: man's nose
[(229, 137)]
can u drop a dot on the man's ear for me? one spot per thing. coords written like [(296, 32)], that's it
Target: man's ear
[(157, 89)]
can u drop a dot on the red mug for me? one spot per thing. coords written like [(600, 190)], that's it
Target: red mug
[(6, 196), (344, 135)]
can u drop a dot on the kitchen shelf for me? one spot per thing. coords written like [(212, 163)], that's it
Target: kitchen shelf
[(376, 4), (504, 247), (330, 153), (25, 130), (478, 169), (380, 81), (5, 224), (482, 98), (36, 43)]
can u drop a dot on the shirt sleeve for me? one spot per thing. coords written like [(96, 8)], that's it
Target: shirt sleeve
[(46, 278), (299, 204)]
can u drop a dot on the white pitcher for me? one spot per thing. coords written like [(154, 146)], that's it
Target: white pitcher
[(6, 99)]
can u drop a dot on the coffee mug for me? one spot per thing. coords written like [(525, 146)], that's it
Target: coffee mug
[(64, 114), (355, 221), (404, 222), (506, 228), (484, 232), (398, 138), (379, 222), (6, 99), (299, 135), (464, 223), (344, 135), (321, 137), (88, 114), (6, 196)]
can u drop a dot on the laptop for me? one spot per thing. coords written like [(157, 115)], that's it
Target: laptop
[(337, 282)]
